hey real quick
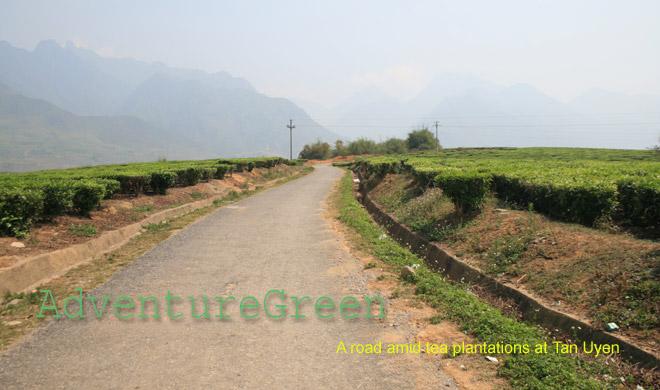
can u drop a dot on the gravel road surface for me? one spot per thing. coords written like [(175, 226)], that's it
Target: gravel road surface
[(276, 240)]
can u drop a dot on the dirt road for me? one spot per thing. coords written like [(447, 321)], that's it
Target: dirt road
[(276, 240)]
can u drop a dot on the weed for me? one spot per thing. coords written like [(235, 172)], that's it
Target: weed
[(371, 265), (83, 230), (145, 208), (157, 226), (506, 252), (196, 195), (232, 195), (29, 298), (453, 352)]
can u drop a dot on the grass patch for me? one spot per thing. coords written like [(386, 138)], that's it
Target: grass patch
[(475, 316), (145, 208), (157, 226), (83, 230), (427, 212), (274, 173), (196, 195)]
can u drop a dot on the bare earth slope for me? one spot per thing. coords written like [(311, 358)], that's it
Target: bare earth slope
[(274, 240)]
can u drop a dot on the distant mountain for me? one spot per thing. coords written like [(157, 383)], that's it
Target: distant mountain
[(601, 102), (227, 121), (475, 112), (370, 113), (444, 86), (67, 106), (35, 134), (80, 81), (60, 77), (133, 73)]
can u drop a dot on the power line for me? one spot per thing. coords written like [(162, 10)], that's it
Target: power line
[(506, 125), (501, 115)]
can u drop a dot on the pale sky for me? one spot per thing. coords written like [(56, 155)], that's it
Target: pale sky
[(327, 51)]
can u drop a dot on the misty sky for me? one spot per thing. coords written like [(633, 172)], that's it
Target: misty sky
[(327, 51)]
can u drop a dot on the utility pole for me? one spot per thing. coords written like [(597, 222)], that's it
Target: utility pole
[(291, 127), (437, 142)]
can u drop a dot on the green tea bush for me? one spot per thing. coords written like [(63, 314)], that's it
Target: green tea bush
[(161, 181), (58, 197), (572, 185), (467, 189), (55, 192), (221, 171), (18, 209), (639, 199), (208, 173), (296, 162), (582, 203), (87, 196), (111, 187), (191, 176), (132, 184)]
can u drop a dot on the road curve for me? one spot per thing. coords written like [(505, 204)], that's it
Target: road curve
[(276, 240)]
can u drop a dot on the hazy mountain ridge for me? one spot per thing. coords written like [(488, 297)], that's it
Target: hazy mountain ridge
[(60, 77), (35, 134), (133, 111), (133, 72), (191, 108), (475, 112)]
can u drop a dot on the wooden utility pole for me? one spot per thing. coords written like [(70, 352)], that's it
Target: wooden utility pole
[(291, 127), (437, 141)]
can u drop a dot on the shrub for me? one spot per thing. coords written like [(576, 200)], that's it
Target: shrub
[(236, 166), (382, 169), (640, 201), (363, 146), (87, 196), (317, 151), (208, 173), (18, 208), (111, 187), (583, 202), (189, 177), (221, 170), (467, 189), (296, 162), (161, 181), (132, 184), (421, 139), (58, 197), (395, 146)]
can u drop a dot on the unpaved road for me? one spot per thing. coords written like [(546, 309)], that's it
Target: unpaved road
[(275, 240)]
